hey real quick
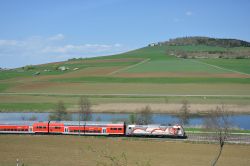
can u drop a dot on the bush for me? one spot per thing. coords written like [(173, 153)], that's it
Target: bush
[(29, 67), (145, 116), (60, 113)]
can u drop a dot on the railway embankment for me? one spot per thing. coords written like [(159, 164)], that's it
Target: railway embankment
[(234, 138)]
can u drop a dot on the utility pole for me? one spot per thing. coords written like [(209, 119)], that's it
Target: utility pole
[(79, 121), (17, 162)]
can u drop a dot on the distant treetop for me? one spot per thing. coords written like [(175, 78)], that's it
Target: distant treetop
[(197, 40)]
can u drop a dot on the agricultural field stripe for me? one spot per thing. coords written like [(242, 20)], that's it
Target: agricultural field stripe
[(122, 95), (221, 68), (129, 67)]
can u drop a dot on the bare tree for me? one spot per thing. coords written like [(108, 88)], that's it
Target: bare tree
[(219, 123), (85, 112), (60, 112), (184, 113), (132, 118), (145, 116)]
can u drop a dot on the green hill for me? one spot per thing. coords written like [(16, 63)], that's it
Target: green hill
[(157, 73)]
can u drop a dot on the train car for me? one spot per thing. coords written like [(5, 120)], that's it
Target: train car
[(176, 131), (40, 127), (94, 128), (104, 128), (56, 127), (16, 127), (74, 127)]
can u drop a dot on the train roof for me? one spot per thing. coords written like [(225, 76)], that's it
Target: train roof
[(92, 123), (153, 125), (17, 122)]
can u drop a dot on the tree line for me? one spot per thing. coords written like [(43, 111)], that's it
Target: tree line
[(61, 113)]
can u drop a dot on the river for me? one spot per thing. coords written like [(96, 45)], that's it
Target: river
[(239, 121)]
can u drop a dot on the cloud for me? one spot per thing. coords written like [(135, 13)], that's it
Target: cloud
[(10, 43), (38, 49), (80, 49), (189, 13), (57, 37)]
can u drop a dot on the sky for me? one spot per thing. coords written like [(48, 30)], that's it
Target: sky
[(42, 31)]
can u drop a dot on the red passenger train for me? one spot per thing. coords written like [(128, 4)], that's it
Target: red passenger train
[(63, 127), (90, 128)]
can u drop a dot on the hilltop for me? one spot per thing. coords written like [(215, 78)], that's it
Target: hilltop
[(205, 47), (228, 43)]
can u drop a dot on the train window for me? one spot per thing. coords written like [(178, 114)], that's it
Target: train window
[(44, 127), (119, 128), (57, 127)]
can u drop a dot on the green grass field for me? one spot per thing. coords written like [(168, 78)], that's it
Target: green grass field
[(175, 65), (240, 65), (159, 80)]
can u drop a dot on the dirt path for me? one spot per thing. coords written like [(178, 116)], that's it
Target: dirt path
[(221, 68), (121, 95), (129, 67)]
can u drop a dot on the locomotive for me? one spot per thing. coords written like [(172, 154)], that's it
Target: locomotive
[(91, 128)]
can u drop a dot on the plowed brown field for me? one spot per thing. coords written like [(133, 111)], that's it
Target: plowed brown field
[(88, 151)]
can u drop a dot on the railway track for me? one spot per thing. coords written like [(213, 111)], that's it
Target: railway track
[(206, 137)]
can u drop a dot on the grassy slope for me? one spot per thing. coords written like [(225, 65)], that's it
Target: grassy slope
[(22, 81), (81, 64), (241, 65), (159, 80), (174, 65)]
